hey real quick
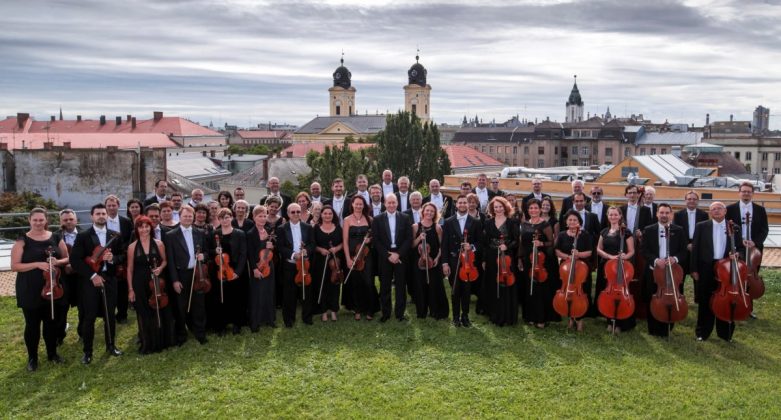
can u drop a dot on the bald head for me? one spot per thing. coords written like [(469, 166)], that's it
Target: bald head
[(717, 211)]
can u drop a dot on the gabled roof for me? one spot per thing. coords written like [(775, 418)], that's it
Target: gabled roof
[(262, 134), (466, 157), (90, 140), (361, 124), (194, 166), (670, 138), (665, 167), (172, 126)]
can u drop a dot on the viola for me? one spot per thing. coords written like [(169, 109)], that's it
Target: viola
[(504, 274), (570, 301), (159, 298), (94, 260), (52, 289), (265, 257), (615, 302), (668, 304), (731, 302), (538, 272), (755, 284), (466, 261)]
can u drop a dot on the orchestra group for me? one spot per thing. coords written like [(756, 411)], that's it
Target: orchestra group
[(195, 267)]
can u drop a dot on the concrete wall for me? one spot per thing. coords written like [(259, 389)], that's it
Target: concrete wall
[(7, 176), (79, 178)]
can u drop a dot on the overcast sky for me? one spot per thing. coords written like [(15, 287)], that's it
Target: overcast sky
[(245, 62)]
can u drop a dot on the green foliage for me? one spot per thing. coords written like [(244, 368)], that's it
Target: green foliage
[(340, 162), (291, 189), (420, 369), (410, 148), (258, 149), (11, 202)]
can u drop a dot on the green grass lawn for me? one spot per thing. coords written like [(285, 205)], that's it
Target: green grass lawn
[(423, 368)]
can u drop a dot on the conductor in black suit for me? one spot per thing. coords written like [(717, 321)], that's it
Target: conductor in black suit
[(711, 244), (392, 238), (294, 240), (687, 219), (94, 284), (186, 246), (656, 255)]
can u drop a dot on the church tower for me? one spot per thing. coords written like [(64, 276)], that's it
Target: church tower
[(574, 105), (342, 95), (417, 94)]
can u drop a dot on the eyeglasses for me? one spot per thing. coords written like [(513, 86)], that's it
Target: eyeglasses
[(294, 211), (596, 193)]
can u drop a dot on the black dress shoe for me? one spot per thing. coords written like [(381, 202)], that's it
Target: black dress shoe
[(465, 321), (32, 365), (403, 318), (385, 318), (236, 330), (288, 325), (202, 340), (56, 358), (113, 351), (456, 323), (122, 320), (308, 321), (86, 359)]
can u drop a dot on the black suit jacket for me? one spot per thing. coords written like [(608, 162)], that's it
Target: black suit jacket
[(452, 239), (759, 226), (177, 253), (330, 202), (526, 198), (398, 198), (447, 204), (681, 218), (371, 209), (126, 229), (85, 244), (395, 189), (678, 242), (491, 194), (647, 216), (702, 258), (603, 223), (381, 235), (151, 200), (568, 204), (285, 242)]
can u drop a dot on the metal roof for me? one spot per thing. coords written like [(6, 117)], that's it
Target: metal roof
[(195, 166), (672, 139), (362, 124), (665, 167)]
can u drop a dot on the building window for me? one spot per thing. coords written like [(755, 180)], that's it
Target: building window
[(490, 149), (737, 155), (515, 150), (777, 156), (585, 151), (556, 150), (414, 112), (506, 149), (350, 109), (525, 150), (663, 152), (540, 163), (563, 162), (764, 156), (584, 162), (574, 162), (541, 150), (653, 151), (608, 151), (642, 151), (575, 150), (764, 170), (777, 171), (339, 112), (748, 155), (483, 149), (627, 152)]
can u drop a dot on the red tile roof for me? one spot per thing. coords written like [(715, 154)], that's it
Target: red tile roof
[(89, 140), (173, 126), (263, 134)]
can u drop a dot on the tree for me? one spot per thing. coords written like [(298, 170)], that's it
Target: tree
[(408, 147), (23, 203), (339, 162)]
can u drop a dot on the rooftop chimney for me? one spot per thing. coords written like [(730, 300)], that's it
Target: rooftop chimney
[(133, 122), (158, 115), (21, 119), (128, 117), (707, 119), (119, 120), (730, 117), (78, 118), (47, 145), (66, 145), (53, 118), (102, 120)]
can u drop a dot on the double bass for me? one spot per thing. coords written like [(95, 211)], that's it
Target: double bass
[(615, 302), (731, 302), (159, 298), (668, 304), (504, 274), (52, 289), (635, 285), (538, 272), (755, 284), (570, 301)]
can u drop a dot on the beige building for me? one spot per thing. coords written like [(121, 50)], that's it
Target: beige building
[(417, 94)]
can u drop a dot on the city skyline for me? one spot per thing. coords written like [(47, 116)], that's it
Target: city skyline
[(247, 62)]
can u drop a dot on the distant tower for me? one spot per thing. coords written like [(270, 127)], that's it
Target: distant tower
[(761, 121), (574, 104), (417, 94), (608, 116), (342, 95)]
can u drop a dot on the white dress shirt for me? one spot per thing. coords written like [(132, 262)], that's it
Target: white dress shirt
[(295, 228), (338, 204), (631, 217), (365, 195), (692, 215), (662, 242), (376, 209), (438, 201), (416, 215), (175, 215), (482, 195), (113, 224), (403, 200), (188, 238), (158, 233), (583, 217), (462, 221), (392, 225), (719, 239), (387, 189), (746, 208), (69, 237), (101, 232), (596, 208)]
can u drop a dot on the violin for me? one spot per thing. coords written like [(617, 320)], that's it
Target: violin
[(570, 301), (159, 298), (302, 267), (201, 282), (466, 261), (731, 302), (94, 260), (538, 271), (335, 266), (52, 289), (668, 304), (225, 271), (755, 284), (361, 252), (265, 257), (424, 250), (504, 274), (615, 302)]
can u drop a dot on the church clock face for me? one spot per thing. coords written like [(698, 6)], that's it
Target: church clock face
[(337, 75), (414, 73)]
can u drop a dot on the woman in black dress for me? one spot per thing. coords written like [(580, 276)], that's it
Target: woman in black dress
[(30, 259), (430, 297), (225, 199), (242, 221), (500, 232), (273, 221), (134, 208), (608, 248), (262, 310), (534, 231), (565, 242), (548, 213), (156, 332), (328, 243), (363, 289), (232, 242)]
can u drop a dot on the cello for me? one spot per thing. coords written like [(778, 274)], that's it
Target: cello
[(200, 281), (668, 304), (52, 289), (538, 271), (755, 284), (570, 301), (504, 274), (635, 285), (615, 302), (731, 302), (159, 298), (302, 278)]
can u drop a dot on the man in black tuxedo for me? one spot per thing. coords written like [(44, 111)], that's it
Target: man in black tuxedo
[(295, 240), (273, 190), (415, 207), (339, 202), (403, 193), (737, 213), (362, 189), (568, 202), (185, 246), (124, 226), (536, 193), (495, 187), (315, 193), (654, 249), (387, 186), (392, 238), (98, 285), (376, 205), (687, 219), (67, 232), (161, 186), (648, 209), (598, 207), (452, 240), (709, 245), (631, 210), (444, 203), (484, 194)]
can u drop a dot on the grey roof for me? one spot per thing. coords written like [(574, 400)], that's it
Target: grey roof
[(361, 124), (665, 167), (253, 177), (194, 166), (672, 139), (632, 128), (243, 158), (492, 134)]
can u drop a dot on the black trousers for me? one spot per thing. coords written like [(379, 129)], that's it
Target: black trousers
[(461, 292), (122, 302), (290, 294), (92, 305), (703, 289), (195, 320), (389, 272), (33, 317)]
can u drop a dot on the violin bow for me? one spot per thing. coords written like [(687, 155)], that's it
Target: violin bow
[(363, 244), (322, 281), (425, 248), (303, 273), (50, 252)]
